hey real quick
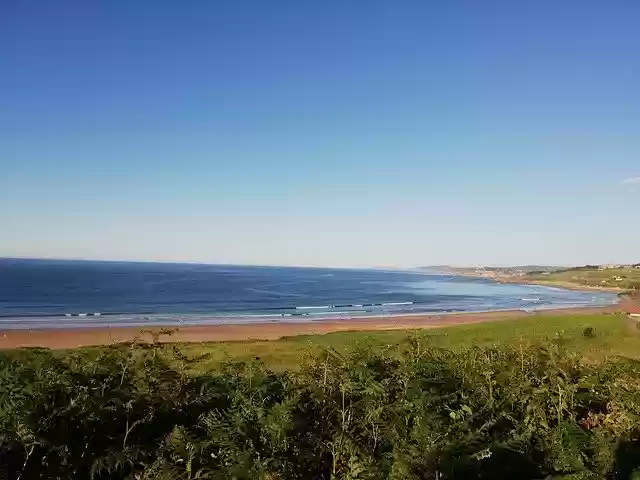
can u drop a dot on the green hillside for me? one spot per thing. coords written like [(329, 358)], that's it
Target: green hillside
[(623, 278)]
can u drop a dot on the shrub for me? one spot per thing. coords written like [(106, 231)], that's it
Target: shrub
[(410, 412)]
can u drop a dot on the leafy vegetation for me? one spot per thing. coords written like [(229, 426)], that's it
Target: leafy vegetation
[(527, 405)]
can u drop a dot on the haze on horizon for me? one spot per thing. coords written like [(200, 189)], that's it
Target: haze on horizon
[(401, 134)]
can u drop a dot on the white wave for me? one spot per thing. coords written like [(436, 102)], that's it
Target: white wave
[(334, 313)]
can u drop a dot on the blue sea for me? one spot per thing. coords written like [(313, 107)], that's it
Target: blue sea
[(66, 294)]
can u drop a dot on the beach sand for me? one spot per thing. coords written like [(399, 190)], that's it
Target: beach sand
[(82, 337)]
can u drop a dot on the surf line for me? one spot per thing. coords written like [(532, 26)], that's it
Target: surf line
[(354, 305), (295, 307)]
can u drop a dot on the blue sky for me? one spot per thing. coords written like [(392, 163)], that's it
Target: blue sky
[(321, 133)]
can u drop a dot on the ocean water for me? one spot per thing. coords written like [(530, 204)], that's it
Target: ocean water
[(65, 294)]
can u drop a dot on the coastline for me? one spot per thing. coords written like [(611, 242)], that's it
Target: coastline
[(560, 284), (543, 283), (97, 336)]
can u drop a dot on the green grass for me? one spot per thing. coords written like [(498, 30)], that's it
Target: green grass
[(624, 278), (615, 335)]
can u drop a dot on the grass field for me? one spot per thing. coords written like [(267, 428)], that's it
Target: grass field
[(622, 278), (613, 335)]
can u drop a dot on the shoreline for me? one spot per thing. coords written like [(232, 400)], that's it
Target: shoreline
[(543, 283), (564, 285), (63, 338), (547, 283)]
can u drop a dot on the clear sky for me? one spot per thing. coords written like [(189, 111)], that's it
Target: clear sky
[(343, 133)]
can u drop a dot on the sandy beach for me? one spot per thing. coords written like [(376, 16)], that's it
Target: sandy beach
[(82, 337), (564, 285)]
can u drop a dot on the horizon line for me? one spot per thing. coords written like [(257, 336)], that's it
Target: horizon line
[(267, 265)]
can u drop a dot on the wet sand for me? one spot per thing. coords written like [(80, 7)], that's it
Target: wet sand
[(82, 337)]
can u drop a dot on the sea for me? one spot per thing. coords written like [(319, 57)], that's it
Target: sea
[(72, 294)]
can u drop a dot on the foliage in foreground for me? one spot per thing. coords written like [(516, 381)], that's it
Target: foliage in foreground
[(526, 412)]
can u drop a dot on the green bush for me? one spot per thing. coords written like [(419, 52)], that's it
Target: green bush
[(411, 412)]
